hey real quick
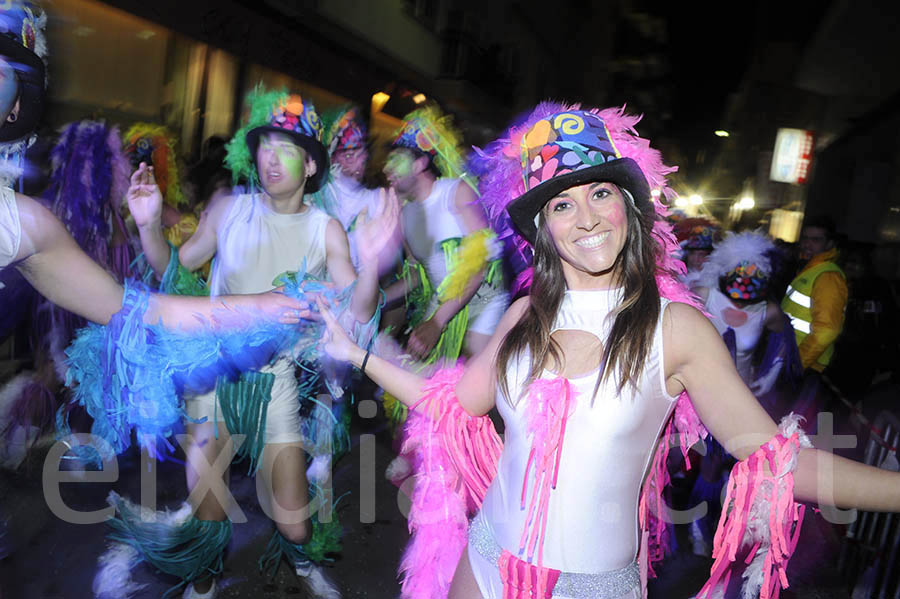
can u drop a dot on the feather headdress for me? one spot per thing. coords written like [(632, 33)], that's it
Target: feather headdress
[(155, 145), (88, 179), (432, 132), (749, 248), (501, 166)]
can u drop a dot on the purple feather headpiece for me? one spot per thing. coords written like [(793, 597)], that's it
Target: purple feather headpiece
[(502, 180), (88, 180)]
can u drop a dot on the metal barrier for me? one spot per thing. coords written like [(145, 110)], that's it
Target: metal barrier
[(870, 552)]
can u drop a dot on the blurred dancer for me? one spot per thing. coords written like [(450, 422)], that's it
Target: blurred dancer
[(257, 238), (696, 236), (453, 281)]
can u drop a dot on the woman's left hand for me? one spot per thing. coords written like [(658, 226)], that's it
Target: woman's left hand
[(335, 340)]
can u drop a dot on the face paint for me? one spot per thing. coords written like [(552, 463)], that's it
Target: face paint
[(281, 165), (399, 164)]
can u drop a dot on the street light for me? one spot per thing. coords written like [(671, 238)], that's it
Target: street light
[(696, 200), (680, 202), (746, 203), (379, 99), (722, 133)]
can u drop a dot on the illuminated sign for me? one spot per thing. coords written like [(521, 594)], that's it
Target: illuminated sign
[(793, 156)]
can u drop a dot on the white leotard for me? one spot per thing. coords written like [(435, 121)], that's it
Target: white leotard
[(592, 523)]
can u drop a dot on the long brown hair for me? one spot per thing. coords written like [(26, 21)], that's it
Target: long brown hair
[(630, 339)]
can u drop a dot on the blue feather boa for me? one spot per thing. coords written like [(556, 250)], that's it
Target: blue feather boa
[(130, 376)]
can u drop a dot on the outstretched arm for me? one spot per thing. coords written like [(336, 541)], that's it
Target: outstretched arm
[(696, 361), (60, 271), (54, 264), (475, 390)]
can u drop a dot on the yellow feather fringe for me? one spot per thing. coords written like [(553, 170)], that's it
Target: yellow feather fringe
[(471, 258)]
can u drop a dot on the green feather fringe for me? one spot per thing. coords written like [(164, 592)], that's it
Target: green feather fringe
[(177, 280), (190, 550), (325, 540), (244, 404)]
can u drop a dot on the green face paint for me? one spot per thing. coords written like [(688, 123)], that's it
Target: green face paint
[(399, 164), (285, 156)]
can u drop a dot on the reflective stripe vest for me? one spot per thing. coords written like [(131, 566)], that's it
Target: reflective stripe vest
[(797, 304)]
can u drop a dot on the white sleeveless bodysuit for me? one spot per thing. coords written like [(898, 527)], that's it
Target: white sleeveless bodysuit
[(748, 323), (255, 245), (426, 225), (592, 523)]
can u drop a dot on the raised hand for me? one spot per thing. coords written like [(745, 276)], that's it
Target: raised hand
[(379, 237), (144, 198)]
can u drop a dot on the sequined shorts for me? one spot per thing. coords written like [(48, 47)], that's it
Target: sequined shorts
[(614, 584)]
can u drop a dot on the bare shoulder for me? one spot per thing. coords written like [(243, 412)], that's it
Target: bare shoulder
[(686, 330), (40, 227), (334, 232), (680, 319), (465, 195)]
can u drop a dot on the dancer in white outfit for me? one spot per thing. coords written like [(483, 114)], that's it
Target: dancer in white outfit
[(559, 499), (256, 239)]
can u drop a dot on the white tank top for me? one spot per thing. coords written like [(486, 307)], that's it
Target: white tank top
[(256, 244), (747, 322), (10, 227), (592, 523), (344, 198), (429, 223)]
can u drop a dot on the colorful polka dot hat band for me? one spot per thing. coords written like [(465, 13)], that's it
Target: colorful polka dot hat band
[(416, 134), (346, 132), (746, 282)]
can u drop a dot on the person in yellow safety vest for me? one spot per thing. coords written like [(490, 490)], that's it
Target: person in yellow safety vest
[(816, 299)]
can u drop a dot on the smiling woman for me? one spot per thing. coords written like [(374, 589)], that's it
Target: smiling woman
[(565, 505), (589, 227)]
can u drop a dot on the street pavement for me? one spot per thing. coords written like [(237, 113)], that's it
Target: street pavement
[(44, 557)]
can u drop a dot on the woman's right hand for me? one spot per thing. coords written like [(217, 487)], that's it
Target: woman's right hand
[(335, 341)]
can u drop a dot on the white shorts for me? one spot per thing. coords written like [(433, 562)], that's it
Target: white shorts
[(485, 311), (282, 414)]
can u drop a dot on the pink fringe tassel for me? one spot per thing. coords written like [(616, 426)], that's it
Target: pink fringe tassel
[(549, 405), (759, 512), (455, 460)]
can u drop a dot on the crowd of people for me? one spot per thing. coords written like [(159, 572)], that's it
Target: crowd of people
[(540, 282)]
